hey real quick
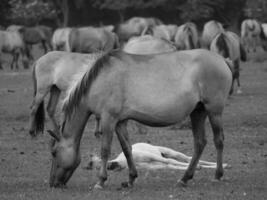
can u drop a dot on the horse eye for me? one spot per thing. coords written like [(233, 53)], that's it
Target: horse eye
[(54, 153)]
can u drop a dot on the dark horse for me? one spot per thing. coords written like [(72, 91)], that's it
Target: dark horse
[(156, 90), (34, 35)]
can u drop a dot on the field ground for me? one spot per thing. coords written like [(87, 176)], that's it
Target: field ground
[(25, 163)]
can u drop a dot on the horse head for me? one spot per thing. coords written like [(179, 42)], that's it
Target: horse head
[(65, 159)]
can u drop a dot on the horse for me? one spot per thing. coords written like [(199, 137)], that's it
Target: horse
[(228, 45), (250, 34), (186, 37), (90, 40), (34, 35), (11, 42), (134, 26), (156, 90), (53, 74), (60, 39), (210, 30), (148, 44), (14, 27), (163, 31), (150, 157)]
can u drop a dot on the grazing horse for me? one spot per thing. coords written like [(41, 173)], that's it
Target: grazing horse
[(11, 42), (210, 30), (150, 157), (148, 44), (157, 90), (34, 35), (186, 37), (53, 74), (228, 45), (250, 34), (134, 26), (60, 39), (90, 40)]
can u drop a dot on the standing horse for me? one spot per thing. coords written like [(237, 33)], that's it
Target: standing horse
[(186, 37), (34, 35), (210, 30), (157, 90), (250, 34), (53, 74), (11, 42), (134, 26), (163, 31), (148, 44), (60, 39), (229, 46), (90, 40)]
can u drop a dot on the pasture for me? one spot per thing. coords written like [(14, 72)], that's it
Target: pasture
[(25, 162)]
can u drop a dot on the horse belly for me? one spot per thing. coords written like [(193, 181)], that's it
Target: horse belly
[(160, 105)]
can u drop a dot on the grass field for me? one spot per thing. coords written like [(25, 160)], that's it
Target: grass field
[(25, 163)]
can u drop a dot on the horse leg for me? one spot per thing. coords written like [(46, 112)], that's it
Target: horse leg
[(17, 59), (198, 117), (44, 46), (107, 128), (97, 128), (236, 76), (122, 133), (216, 124), (51, 107)]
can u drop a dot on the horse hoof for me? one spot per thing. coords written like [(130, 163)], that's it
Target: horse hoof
[(181, 183), (98, 187)]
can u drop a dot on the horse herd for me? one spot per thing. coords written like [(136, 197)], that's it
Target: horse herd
[(145, 79)]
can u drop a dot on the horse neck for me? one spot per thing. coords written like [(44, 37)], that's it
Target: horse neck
[(74, 125)]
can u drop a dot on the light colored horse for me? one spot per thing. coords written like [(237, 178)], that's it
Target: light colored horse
[(186, 37), (134, 26), (150, 157), (157, 90), (11, 42), (90, 40), (250, 34), (148, 44), (60, 39), (163, 31), (210, 30), (14, 27), (53, 74), (228, 45)]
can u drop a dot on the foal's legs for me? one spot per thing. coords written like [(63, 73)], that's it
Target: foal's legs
[(107, 128), (198, 117), (216, 124), (51, 107), (122, 133)]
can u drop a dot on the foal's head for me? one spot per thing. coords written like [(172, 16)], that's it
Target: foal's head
[(65, 159)]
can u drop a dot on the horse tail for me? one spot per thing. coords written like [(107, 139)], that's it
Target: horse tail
[(83, 85), (222, 46), (243, 54), (39, 117), (190, 38)]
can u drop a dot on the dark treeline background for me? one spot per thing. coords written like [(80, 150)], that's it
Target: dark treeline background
[(59, 13)]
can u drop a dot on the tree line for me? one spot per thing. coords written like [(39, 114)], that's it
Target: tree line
[(96, 12)]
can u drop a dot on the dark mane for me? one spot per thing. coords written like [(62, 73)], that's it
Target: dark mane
[(84, 84)]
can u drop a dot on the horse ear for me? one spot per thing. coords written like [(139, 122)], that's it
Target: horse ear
[(54, 135)]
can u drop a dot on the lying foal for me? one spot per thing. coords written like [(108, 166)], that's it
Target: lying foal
[(147, 156)]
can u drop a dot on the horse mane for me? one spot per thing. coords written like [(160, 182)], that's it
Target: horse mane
[(83, 85), (222, 45)]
